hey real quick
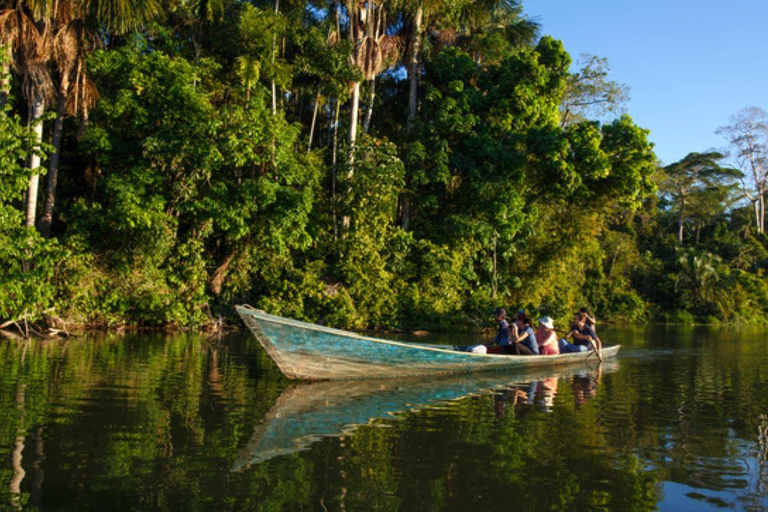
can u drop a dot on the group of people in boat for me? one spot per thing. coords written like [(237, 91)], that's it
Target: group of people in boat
[(520, 338)]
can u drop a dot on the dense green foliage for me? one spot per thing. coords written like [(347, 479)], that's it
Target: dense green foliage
[(26, 259), (215, 168)]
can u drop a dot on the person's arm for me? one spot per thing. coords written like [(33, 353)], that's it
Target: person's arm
[(591, 319), (534, 343), (579, 336), (593, 333)]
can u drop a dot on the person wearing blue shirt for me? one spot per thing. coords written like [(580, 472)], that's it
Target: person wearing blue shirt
[(501, 343), (523, 336)]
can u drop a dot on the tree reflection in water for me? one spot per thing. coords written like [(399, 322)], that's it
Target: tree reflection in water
[(150, 422)]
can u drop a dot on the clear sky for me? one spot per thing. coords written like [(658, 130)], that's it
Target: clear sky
[(690, 64)]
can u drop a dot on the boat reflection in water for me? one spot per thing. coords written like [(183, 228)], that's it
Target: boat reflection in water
[(540, 394), (306, 412)]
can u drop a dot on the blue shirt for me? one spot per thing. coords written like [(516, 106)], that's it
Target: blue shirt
[(502, 337), (530, 341)]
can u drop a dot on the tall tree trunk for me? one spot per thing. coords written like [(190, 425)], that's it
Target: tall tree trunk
[(5, 76), (413, 96), (274, 55), (345, 220), (405, 211), (761, 199), (681, 223), (369, 111), (36, 110), (314, 120), (53, 167), (353, 121), (334, 161), (413, 65), (494, 280)]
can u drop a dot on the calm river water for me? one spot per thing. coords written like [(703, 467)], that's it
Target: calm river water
[(152, 422)]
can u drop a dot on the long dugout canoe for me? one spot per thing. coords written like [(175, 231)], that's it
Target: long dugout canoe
[(307, 351)]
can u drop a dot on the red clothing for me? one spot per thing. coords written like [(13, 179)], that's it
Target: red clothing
[(549, 350), (547, 341)]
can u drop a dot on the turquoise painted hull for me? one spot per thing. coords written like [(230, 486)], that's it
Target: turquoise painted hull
[(306, 412), (311, 352)]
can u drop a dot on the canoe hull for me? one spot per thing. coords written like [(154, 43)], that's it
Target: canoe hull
[(311, 352)]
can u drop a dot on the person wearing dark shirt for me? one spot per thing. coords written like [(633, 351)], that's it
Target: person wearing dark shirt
[(583, 332), (501, 343), (502, 336)]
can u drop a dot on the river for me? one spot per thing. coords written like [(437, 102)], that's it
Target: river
[(185, 422)]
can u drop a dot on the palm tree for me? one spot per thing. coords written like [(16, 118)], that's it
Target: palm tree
[(483, 24), (420, 14), (372, 51), (699, 273), (75, 24), (24, 30)]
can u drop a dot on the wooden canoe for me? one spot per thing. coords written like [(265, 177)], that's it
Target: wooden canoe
[(308, 411), (312, 352)]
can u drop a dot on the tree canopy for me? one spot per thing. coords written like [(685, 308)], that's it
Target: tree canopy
[(208, 153)]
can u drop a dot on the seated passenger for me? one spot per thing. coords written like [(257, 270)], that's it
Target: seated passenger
[(546, 337), (523, 337), (583, 333), (501, 343)]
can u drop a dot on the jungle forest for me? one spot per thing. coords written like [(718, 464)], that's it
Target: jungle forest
[(364, 164)]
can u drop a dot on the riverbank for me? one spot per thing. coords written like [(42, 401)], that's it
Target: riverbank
[(55, 327)]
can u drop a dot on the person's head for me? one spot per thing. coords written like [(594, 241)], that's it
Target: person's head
[(580, 317), (500, 314), (546, 323), (587, 315), (523, 320)]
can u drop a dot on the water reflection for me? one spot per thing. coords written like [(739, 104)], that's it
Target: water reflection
[(541, 394), (150, 422), (306, 412)]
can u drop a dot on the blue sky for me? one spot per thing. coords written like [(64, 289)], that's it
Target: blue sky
[(690, 64)]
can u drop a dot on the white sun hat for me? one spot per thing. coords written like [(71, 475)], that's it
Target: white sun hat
[(547, 322)]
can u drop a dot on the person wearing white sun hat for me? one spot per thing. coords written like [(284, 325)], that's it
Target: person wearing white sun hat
[(547, 338)]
